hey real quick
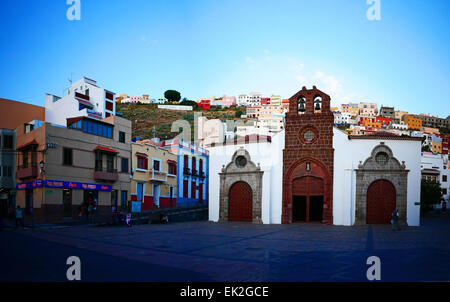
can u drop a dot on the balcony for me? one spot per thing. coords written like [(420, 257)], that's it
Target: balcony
[(201, 174), (158, 175), (106, 174), (187, 171), (27, 171), (194, 173)]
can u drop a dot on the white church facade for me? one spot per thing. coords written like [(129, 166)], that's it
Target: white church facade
[(313, 172)]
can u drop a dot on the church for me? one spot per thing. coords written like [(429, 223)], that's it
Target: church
[(312, 172)]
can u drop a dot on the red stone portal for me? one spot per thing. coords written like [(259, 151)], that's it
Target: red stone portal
[(308, 152)]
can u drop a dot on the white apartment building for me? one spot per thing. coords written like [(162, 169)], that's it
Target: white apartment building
[(251, 99), (437, 164), (84, 98), (272, 123), (368, 109)]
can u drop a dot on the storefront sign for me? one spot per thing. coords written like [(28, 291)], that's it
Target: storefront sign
[(63, 185)]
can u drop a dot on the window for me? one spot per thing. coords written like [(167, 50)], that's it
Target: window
[(98, 161), (172, 168), (67, 156), (444, 191), (193, 187), (381, 158), (194, 165), (241, 161), (7, 141), (185, 188), (142, 162), (124, 165), (121, 136), (110, 163), (25, 159), (109, 106), (156, 165), (7, 171), (28, 128), (109, 96), (444, 178)]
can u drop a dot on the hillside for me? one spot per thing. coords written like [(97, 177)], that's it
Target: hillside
[(145, 117)]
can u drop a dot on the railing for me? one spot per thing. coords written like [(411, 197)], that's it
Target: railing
[(106, 173), (25, 171), (106, 169), (158, 175), (82, 96), (187, 171), (202, 174)]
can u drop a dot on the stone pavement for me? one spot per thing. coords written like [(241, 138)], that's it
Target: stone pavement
[(249, 252)]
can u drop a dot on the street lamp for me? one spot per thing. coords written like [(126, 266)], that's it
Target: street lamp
[(42, 170)]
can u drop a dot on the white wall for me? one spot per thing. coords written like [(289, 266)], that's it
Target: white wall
[(270, 157), (347, 155)]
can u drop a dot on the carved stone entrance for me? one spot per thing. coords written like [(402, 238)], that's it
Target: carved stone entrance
[(241, 189), (381, 185)]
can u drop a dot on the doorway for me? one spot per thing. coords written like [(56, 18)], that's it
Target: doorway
[(67, 202), (307, 199), (240, 199), (156, 194), (315, 208), (381, 202)]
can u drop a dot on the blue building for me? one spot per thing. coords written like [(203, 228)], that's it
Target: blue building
[(192, 172)]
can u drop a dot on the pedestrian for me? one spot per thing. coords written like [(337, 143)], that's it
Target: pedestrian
[(90, 212), (129, 219), (394, 221), (19, 217)]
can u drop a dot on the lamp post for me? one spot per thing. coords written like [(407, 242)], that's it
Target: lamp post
[(42, 172)]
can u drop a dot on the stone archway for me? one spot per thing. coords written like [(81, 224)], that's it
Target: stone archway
[(381, 165), (239, 177), (307, 183)]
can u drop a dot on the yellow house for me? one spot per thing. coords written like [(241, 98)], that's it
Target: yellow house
[(436, 147), (154, 175), (414, 123)]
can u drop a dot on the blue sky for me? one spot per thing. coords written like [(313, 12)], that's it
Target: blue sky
[(210, 47)]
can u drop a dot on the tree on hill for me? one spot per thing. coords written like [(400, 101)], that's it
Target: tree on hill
[(172, 95)]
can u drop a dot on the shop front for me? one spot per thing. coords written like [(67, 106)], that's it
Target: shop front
[(53, 200)]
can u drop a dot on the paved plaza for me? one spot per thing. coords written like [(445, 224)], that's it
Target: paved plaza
[(207, 251)]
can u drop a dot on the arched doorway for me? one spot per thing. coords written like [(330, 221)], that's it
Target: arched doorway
[(381, 201), (307, 199), (240, 202)]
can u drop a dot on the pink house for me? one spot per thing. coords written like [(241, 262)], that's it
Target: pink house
[(228, 101)]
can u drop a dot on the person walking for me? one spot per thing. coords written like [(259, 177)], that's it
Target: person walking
[(394, 221), (19, 217)]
